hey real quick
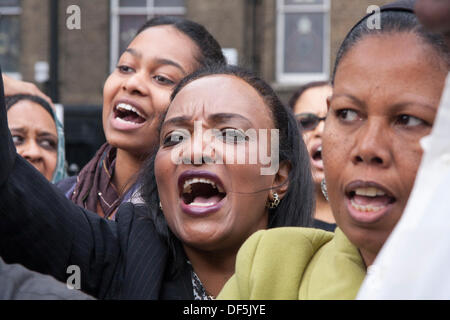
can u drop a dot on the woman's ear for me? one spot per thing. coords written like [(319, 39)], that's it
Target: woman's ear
[(281, 181)]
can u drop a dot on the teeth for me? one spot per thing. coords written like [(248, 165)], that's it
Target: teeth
[(187, 184), (369, 192), (319, 149), (199, 204), (187, 189), (128, 107), (366, 208), (125, 121)]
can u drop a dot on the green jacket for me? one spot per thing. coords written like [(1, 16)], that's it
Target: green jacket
[(296, 263)]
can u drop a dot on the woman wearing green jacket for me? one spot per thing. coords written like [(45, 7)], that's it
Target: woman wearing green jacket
[(387, 85)]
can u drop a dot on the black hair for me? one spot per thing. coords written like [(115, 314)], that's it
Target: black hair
[(297, 206), (209, 48), (13, 99), (393, 20), (302, 89)]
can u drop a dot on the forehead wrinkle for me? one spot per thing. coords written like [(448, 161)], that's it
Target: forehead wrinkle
[(218, 101), (185, 115)]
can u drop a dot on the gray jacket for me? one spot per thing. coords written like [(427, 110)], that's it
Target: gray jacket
[(19, 283)]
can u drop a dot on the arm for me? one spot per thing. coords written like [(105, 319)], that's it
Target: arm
[(43, 230), (13, 86)]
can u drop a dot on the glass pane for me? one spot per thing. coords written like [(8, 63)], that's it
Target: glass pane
[(169, 3), (304, 42), (9, 3), (129, 25), (290, 2), (9, 43), (133, 3)]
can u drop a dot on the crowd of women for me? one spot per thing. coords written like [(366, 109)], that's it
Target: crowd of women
[(141, 225)]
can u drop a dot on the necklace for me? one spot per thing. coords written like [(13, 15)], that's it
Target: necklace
[(200, 292)]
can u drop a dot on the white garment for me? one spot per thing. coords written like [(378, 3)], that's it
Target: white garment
[(414, 263)]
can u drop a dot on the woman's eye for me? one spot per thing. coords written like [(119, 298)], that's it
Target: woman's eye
[(18, 140), (409, 121), (48, 144), (124, 69), (163, 80), (174, 138), (347, 115), (233, 136)]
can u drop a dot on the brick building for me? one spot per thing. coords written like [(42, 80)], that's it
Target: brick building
[(287, 42)]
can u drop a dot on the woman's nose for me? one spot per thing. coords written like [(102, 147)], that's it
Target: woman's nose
[(202, 149), (319, 129), (31, 151), (372, 146), (136, 83)]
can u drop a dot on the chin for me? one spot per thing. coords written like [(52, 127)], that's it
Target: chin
[(318, 177), (126, 143)]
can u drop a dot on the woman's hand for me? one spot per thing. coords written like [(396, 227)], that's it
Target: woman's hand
[(13, 86)]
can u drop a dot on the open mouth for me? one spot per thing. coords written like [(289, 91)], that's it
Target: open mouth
[(127, 113), (369, 198), (317, 154), (201, 192)]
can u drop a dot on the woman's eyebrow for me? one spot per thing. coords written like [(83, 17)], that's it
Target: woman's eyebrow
[(162, 61), (224, 117), (351, 97), (46, 134), (158, 60), (176, 121), (18, 129), (403, 105), (215, 118)]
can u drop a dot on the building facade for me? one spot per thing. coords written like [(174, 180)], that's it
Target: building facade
[(68, 47)]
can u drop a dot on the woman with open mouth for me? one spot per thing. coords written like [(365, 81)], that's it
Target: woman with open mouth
[(210, 203), (387, 86), (182, 242), (135, 95), (309, 104)]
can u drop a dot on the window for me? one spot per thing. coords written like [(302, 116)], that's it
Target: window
[(127, 16), (303, 41), (10, 11)]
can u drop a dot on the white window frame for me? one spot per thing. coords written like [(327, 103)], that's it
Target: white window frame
[(301, 78), (149, 11), (12, 11)]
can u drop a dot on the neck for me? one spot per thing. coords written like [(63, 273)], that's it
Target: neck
[(368, 257), (127, 166), (213, 269), (323, 210)]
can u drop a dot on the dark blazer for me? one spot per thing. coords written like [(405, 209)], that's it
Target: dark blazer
[(45, 232)]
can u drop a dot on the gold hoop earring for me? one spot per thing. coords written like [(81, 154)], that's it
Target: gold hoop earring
[(272, 204)]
